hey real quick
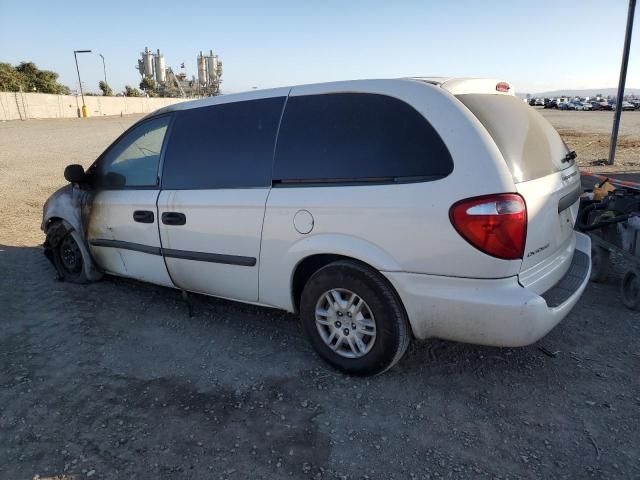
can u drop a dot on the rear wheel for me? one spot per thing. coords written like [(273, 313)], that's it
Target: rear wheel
[(354, 318), (630, 289)]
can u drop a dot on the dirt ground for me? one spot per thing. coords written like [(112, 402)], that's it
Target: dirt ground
[(114, 379), (589, 134)]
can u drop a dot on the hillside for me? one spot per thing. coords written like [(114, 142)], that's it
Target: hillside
[(587, 92)]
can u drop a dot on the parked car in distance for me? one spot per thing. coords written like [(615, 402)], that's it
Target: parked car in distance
[(626, 106), (379, 210), (551, 104), (539, 102), (583, 106), (566, 106)]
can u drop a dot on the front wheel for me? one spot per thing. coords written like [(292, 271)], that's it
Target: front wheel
[(354, 318), (66, 254)]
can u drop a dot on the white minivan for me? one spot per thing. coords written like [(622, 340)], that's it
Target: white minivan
[(380, 210)]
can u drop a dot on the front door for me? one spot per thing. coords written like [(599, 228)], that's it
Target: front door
[(123, 224)]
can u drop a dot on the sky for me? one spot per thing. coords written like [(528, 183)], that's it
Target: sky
[(535, 45)]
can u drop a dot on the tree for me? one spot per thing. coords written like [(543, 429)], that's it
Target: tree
[(131, 91), (106, 89), (30, 78), (10, 79), (148, 84)]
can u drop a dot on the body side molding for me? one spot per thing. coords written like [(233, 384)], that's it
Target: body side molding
[(172, 253)]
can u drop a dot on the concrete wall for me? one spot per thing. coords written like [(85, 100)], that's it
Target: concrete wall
[(22, 106)]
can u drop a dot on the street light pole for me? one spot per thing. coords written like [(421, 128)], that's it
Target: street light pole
[(621, 82), (104, 68), (75, 55)]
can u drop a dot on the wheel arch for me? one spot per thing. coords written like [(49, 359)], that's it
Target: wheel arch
[(51, 221), (63, 205), (311, 253), (307, 266), (56, 228)]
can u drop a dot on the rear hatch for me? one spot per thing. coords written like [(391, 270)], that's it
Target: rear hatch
[(544, 175)]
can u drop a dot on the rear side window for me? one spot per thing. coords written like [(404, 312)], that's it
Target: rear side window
[(222, 146), (345, 137), (530, 145)]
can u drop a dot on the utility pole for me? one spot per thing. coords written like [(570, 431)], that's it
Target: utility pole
[(621, 82), (75, 55), (104, 68)]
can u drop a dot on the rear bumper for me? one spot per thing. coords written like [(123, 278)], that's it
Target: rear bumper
[(497, 312)]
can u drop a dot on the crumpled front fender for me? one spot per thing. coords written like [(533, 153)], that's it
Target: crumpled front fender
[(65, 209), (64, 204)]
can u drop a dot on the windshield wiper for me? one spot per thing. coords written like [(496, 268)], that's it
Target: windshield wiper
[(570, 156)]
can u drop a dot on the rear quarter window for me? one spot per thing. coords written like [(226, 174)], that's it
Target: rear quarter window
[(356, 137), (530, 145)]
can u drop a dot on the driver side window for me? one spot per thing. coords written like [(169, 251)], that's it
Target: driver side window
[(133, 161)]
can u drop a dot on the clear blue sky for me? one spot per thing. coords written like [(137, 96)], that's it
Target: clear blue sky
[(537, 46)]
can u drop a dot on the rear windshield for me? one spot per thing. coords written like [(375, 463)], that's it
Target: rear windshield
[(529, 144)]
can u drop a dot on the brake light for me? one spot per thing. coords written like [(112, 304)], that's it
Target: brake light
[(494, 224), (503, 87)]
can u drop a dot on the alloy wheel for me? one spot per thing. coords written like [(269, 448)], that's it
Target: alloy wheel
[(345, 323)]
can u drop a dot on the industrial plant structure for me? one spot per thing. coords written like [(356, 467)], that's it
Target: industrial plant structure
[(171, 84), (209, 72)]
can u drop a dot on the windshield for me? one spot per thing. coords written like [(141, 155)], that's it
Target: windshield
[(529, 144)]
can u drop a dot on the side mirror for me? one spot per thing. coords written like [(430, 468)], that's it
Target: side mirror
[(74, 173)]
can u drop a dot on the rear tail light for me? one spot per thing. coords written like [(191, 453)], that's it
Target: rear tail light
[(503, 87), (494, 224)]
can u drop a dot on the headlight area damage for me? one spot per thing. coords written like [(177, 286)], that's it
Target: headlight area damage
[(64, 216)]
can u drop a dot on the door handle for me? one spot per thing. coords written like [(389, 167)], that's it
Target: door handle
[(174, 218), (143, 216)]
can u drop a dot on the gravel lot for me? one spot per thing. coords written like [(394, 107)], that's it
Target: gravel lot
[(589, 134), (115, 380)]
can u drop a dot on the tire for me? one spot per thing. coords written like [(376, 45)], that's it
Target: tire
[(66, 254), (376, 312), (599, 263), (630, 289)]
